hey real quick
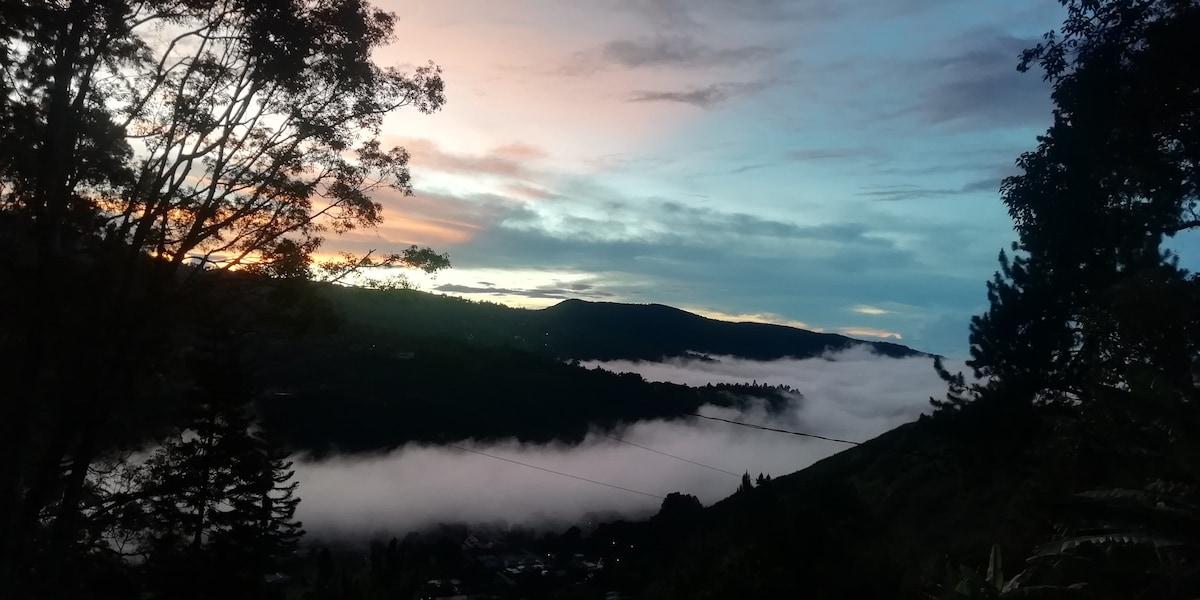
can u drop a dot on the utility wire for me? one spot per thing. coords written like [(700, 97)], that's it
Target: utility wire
[(802, 434), (819, 437), (517, 462), (639, 492), (671, 455)]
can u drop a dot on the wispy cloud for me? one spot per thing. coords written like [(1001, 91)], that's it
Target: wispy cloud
[(783, 184), (680, 51), (981, 87), (815, 154), (769, 318), (508, 160), (870, 332), (576, 290), (694, 14), (669, 51), (649, 249), (706, 97), (864, 309), (908, 191)]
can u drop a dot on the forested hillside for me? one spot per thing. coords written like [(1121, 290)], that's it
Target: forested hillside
[(577, 329), (354, 393), (393, 366)]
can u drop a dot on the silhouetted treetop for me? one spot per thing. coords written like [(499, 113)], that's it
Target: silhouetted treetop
[(141, 144), (1089, 292), (226, 132)]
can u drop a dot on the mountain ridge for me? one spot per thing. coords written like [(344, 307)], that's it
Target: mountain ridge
[(590, 330), (405, 366)]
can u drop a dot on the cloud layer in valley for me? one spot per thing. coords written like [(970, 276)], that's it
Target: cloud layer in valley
[(852, 395)]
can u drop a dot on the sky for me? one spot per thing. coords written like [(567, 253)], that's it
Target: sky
[(853, 395), (831, 164)]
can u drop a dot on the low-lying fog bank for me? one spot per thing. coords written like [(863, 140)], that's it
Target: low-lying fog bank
[(851, 395)]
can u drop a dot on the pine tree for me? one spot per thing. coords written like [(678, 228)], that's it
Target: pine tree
[(1090, 298), (746, 484), (222, 501), (261, 535)]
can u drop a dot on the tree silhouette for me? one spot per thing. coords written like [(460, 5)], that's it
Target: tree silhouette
[(679, 507), (219, 496), (1091, 312), (253, 122), (142, 141), (746, 485), (1089, 293)]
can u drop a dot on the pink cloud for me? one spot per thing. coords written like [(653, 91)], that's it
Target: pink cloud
[(526, 192), (424, 219), (509, 160), (505, 80)]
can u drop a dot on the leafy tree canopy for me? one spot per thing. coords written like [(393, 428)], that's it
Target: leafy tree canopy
[(1090, 296), (139, 140), (223, 132)]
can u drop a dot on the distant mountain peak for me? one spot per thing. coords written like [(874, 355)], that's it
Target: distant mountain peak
[(650, 331), (594, 330)]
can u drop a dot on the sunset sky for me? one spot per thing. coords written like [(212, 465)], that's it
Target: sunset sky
[(832, 164)]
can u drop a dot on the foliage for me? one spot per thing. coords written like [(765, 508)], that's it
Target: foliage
[(207, 512), (1121, 543), (678, 506), (217, 513), (361, 391), (1136, 533), (967, 583), (237, 128), (746, 486), (1089, 291), (145, 143), (1092, 313), (347, 266)]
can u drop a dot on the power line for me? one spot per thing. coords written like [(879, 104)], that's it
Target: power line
[(799, 433), (680, 458), (517, 462), (671, 455), (912, 453)]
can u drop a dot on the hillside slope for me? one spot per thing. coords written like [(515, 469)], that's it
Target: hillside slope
[(364, 391), (885, 519), (401, 366), (577, 329)]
